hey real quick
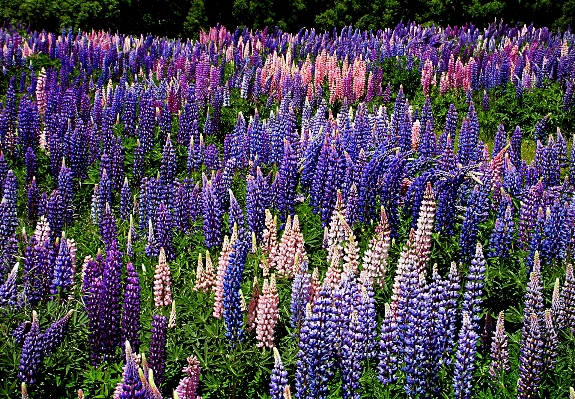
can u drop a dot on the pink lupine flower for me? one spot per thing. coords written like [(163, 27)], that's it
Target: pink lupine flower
[(334, 270), (291, 249), (42, 232), (337, 233), (270, 239), (162, 282), (422, 240), (200, 284), (253, 306), (351, 255), (189, 384), (415, 132), (267, 314), (375, 258)]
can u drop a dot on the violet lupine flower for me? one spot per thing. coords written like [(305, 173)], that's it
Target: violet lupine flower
[(231, 291), (279, 383), (168, 166), (212, 214), (388, 353), (111, 298), (530, 358), (540, 131), (56, 213), (54, 335), (499, 350), (31, 356), (66, 189), (235, 215), (33, 200), (163, 231), (63, 269), (534, 302), (158, 347), (257, 201), (9, 290), (300, 296), (131, 386), (566, 316), (472, 296), (286, 182), (130, 324), (476, 212), (502, 235), (267, 313), (125, 201), (31, 165), (465, 359), (19, 333), (188, 386), (35, 271), (108, 228), (353, 353)]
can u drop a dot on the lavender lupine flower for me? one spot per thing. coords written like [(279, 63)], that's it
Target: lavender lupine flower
[(132, 387), (388, 348), (231, 291), (447, 312), (130, 324), (279, 379), (31, 356), (566, 316), (499, 350), (189, 384), (530, 358), (534, 302), (54, 335), (353, 353), (158, 347), (235, 215), (63, 269), (465, 359), (472, 296)]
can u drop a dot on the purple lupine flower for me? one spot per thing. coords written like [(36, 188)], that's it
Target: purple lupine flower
[(211, 214), (130, 325), (465, 359), (9, 290), (31, 356), (540, 131), (235, 216), (152, 248), (476, 212), (31, 165), (286, 182), (551, 342), (110, 300), (33, 201), (534, 302), (257, 201), (232, 285), (54, 335), (300, 296), (132, 387), (9, 221), (472, 296), (367, 314), (168, 166), (388, 348), (108, 228), (530, 358), (125, 201), (279, 379), (499, 350), (66, 189), (63, 269), (19, 333), (163, 231), (56, 213), (500, 140), (158, 347), (502, 235), (352, 355)]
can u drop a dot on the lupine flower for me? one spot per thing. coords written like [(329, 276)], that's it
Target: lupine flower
[(188, 385), (110, 301), (31, 356), (9, 290), (465, 359), (270, 240), (267, 313), (291, 250), (158, 347), (499, 350), (204, 282), (567, 315), (163, 231), (279, 383), (132, 387), (551, 342), (231, 291), (54, 335), (212, 214), (472, 296), (19, 333), (353, 353), (130, 325), (530, 358), (301, 295), (223, 261), (152, 245), (388, 348), (162, 282)]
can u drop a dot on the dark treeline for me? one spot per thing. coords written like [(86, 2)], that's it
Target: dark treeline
[(185, 18)]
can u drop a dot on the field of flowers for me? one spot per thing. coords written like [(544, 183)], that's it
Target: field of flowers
[(259, 214)]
